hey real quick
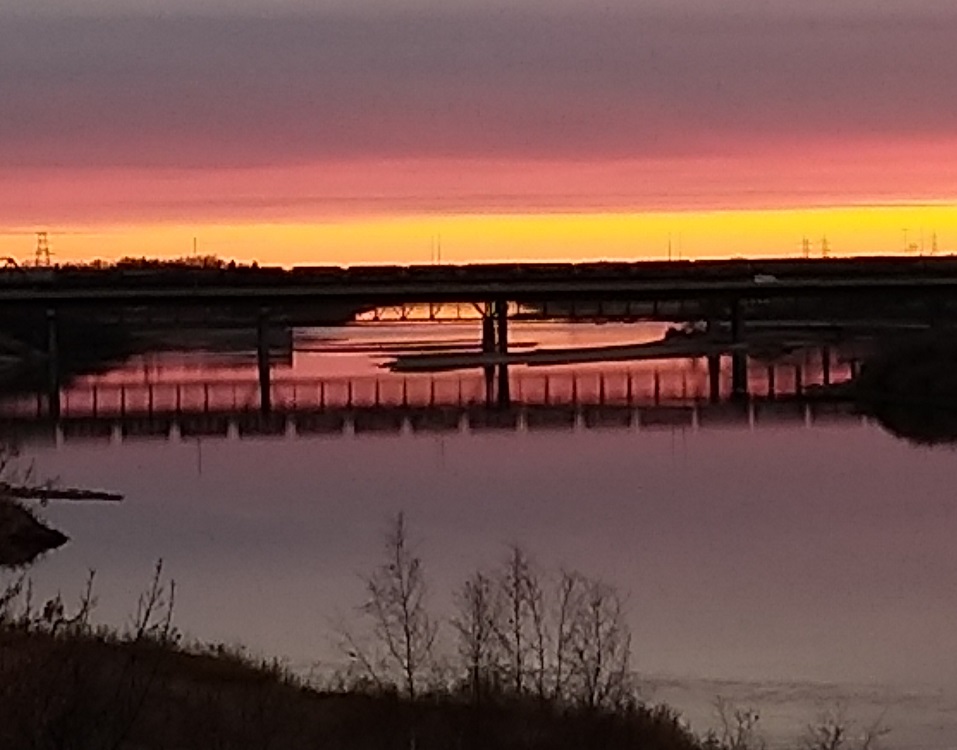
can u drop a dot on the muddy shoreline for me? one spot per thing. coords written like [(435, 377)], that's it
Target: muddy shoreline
[(23, 537)]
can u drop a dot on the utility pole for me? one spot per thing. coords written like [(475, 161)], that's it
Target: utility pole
[(825, 247), (806, 247)]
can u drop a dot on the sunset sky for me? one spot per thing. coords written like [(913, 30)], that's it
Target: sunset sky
[(371, 130)]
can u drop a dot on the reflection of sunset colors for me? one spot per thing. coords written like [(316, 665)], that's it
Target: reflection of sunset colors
[(311, 378), (527, 130)]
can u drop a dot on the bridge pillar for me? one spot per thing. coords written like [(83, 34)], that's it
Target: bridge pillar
[(262, 360), (53, 365), (737, 321), (501, 316), (739, 358), (714, 378), (826, 365)]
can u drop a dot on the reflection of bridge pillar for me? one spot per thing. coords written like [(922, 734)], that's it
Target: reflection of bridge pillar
[(488, 347), (262, 359), (714, 378), (739, 374), (501, 315), (53, 365)]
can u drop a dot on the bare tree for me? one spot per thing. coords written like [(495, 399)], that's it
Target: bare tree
[(834, 731), (740, 728), (396, 605), (566, 598), (514, 630), (567, 641), (598, 646), (478, 605), (538, 615), (154, 609)]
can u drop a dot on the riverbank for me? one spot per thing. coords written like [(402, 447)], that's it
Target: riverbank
[(23, 537), (103, 691)]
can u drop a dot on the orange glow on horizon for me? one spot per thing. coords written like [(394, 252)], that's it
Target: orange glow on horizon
[(866, 197), (466, 238)]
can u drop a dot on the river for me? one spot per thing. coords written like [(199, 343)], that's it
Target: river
[(791, 560)]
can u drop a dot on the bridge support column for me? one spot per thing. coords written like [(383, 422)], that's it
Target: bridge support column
[(826, 365), (714, 378), (501, 316), (739, 375), (53, 365), (262, 359), (737, 321), (739, 357)]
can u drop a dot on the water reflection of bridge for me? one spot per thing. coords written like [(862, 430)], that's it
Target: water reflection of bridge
[(554, 401)]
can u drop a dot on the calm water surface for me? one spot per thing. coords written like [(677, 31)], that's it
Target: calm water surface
[(790, 565)]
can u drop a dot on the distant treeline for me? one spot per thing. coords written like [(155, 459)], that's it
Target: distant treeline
[(144, 263)]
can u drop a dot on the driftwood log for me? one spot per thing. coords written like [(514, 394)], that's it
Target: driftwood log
[(44, 494)]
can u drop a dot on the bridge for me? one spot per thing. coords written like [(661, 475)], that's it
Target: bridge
[(721, 289), (480, 283)]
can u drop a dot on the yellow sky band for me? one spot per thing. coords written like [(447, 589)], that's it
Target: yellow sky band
[(491, 238)]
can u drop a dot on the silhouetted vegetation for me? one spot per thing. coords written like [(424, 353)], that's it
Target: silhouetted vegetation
[(542, 664), (910, 386), (66, 683), (143, 263)]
